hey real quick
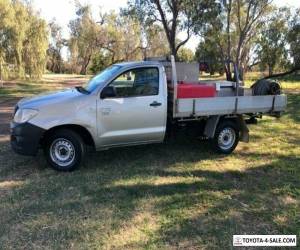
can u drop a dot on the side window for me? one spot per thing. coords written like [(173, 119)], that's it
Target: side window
[(137, 82)]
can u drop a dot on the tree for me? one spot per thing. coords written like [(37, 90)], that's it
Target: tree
[(85, 33), (272, 42), (56, 44), (207, 53), (6, 20), (100, 61), (18, 34), (112, 39), (123, 41), (173, 15), (35, 45), (23, 38), (156, 43), (126, 39), (185, 55), (234, 30), (120, 41), (293, 38), (250, 16)]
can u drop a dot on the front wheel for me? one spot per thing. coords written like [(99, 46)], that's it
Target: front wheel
[(226, 137), (64, 150)]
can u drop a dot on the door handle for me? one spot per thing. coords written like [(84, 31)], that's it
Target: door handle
[(155, 104)]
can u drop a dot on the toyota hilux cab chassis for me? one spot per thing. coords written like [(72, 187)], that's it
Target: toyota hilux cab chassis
[(135, 103)]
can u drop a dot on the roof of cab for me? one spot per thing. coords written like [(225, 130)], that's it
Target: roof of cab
[(139, 63)]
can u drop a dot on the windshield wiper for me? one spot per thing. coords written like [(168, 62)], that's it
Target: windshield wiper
[(82, 90)]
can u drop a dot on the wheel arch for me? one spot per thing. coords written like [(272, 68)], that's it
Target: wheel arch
[(213, 122), (80, 130)]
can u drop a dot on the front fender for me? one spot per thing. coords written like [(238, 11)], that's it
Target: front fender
[(82, 113)]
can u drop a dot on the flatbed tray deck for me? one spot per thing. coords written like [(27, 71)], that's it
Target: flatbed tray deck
[(229, 105), (224, 105)]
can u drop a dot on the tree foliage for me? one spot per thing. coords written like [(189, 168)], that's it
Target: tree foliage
[(293, 41), (83, 42), (173, 15), (207, 53), (124, 38), (272, 42), (97, 44), (293, 38), (23, 39), (56, 44), (247, 32), (156, 43), (234, 30), (185, 55)]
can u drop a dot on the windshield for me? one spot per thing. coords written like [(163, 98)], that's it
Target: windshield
[(101, 78)]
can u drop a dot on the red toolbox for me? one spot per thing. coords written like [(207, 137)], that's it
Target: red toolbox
[(194, 90)]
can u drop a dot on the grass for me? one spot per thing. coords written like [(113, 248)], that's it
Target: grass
[(178, 195), (50, 82)]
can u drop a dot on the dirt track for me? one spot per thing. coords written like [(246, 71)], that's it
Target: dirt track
[(6, 111), (7, 104)]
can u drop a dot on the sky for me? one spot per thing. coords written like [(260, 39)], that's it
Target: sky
[(64, 10)]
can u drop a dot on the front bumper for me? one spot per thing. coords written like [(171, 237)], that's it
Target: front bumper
[(25, 138)]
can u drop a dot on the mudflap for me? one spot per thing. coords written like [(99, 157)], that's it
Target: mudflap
[(244, 137), (213, 121)]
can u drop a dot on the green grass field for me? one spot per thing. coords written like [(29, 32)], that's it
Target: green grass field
[(178, 195)]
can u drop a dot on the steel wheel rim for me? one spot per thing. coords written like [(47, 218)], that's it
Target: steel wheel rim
[(226, 138), (62, 152)]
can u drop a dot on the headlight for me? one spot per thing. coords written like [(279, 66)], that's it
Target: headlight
[(24, 115)]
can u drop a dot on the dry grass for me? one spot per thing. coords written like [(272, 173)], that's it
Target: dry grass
[(171, 196), (50, 82)]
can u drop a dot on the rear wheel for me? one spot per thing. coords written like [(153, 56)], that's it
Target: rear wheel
[(226, 137), (64, 150)]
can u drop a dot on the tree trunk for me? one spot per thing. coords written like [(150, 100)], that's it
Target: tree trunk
[(228, 75), (283, 74), (270, 70), (170, 31), (85, 65), (1, 83), (241, 73), (83, 69), (173, 50), (228, 68)]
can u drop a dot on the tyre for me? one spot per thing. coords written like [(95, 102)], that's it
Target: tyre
[(64, 150), (226, 137)]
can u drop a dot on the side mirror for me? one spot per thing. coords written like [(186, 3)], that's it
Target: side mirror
[(108, 92)]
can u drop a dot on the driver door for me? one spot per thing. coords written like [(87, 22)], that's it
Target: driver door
[(137, 112)]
